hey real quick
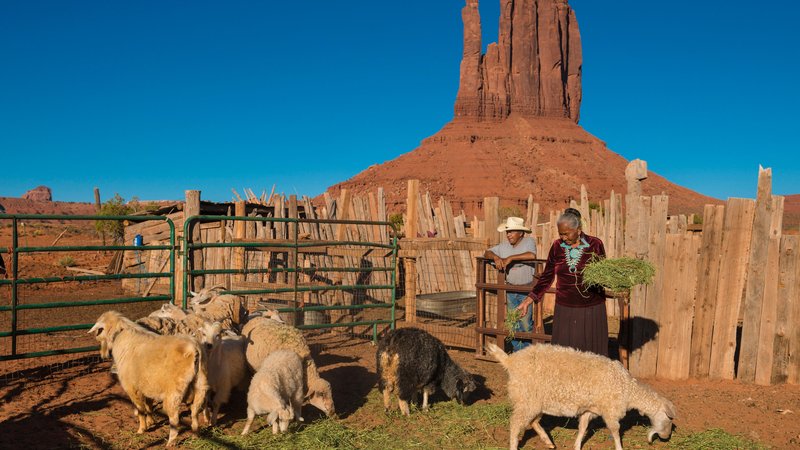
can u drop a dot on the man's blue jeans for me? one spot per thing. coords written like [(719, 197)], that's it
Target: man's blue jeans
[(525, 323)]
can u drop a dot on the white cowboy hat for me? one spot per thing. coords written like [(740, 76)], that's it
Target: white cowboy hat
[(514, 224)]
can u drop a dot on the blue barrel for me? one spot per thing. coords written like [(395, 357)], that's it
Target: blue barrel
[(138, 240)]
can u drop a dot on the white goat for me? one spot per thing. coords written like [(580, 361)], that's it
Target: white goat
[(560, 381), (265, 336), (276, 390), (151, 367)]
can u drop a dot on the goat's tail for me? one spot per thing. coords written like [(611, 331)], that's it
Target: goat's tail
[(498, 354)]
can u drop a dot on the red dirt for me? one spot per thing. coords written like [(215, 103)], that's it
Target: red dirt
[(83, 405)]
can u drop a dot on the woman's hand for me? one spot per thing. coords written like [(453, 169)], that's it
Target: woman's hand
[(524, 305)]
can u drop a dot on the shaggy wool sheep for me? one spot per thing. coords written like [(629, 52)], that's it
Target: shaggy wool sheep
[(276, 390), (410, 360), (265, 336), (227, 367), (151, 367), (190, 324), (561, 381), (226, 309)]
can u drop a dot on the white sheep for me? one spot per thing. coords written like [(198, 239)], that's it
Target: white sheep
[(227, 367), (265, 336), (276, 390), (151, 367), (189, 324), (226, 309), (561, 381)]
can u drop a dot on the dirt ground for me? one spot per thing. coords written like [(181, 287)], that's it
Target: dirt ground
[(73, 401), (79, 404)]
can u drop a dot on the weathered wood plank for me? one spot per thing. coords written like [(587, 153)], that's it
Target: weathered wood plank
[(707, 284), (756, 275), (735, 250)]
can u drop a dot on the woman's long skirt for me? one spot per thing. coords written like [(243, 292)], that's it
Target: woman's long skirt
[(581, 328)]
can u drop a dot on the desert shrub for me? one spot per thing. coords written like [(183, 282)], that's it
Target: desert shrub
[(115, 206), (67, 261), (396, 220)]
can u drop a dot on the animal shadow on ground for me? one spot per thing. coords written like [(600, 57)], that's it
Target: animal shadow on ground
[(597, 425), (43, 424), (640, 332), (329, 359), (351, 384)]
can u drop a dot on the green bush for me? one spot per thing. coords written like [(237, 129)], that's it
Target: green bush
[(396, 220), (116, 206)]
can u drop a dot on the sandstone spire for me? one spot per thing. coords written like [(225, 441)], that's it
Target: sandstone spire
[(534, 69)]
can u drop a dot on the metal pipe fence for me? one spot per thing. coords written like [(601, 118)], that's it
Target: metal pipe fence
[(15, 305)]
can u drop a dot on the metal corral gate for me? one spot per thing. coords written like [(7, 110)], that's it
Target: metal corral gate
[(316, 255), (18, 304)]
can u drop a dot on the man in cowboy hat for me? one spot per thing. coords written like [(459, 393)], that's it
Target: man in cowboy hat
[(516, 247)]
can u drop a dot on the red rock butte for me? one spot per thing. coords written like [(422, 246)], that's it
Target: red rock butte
[(515, 129)]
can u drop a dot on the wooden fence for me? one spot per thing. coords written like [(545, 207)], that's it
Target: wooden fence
[(724, 303)]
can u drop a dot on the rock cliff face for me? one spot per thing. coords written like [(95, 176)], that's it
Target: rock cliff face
[(534, 68), (515, 129), (39, 194)]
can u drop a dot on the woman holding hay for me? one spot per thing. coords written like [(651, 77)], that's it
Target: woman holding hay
[(579, 319)]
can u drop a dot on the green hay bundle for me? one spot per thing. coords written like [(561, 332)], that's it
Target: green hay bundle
[(618, 274), (512, 318)]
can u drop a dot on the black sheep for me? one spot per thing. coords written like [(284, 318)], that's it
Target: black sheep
[(410, 360)]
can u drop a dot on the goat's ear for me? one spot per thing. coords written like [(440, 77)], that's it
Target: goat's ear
[(193, 294), (96, 329), (272, 417)]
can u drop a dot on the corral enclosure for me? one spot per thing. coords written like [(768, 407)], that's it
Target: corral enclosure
[(723, 304)]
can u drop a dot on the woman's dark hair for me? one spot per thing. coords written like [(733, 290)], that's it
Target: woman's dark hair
[(571, 217)]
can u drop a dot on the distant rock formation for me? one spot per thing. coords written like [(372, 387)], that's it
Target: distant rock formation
[(39, 194), (534, 68), (515, 130)]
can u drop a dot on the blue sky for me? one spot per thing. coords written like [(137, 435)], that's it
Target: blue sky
[(150, 98)]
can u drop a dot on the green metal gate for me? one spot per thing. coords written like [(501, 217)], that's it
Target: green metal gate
[(15, 303), (294, 248)]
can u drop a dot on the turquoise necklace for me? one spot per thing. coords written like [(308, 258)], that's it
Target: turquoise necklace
[(573, 255)]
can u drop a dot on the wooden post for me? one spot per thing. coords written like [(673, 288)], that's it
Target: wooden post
[(239, 231), (412, 213), (192, 208), (97, 203), (756, 275), (411, 289), (491, 206)]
